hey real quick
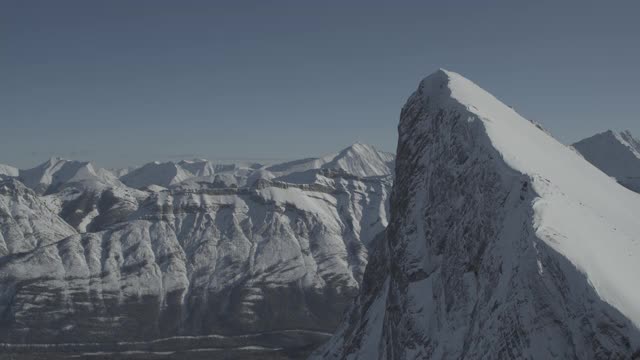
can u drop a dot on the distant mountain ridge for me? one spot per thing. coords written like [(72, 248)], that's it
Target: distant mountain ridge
[(617, 154), (187, 248), (56, 172), (358, 159)]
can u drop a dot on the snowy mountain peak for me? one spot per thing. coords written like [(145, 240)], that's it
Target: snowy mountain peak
[(624, 137), (555, 171), (56, 172), (362, 160), (360, 148), (26, 221), (167, 174), (448, 86), (8, 170), (156, 173), (198, 167), (616, 154), (502, 243), (358, 159)]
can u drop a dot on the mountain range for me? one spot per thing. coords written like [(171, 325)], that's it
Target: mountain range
[(270, 255), (483, 238)]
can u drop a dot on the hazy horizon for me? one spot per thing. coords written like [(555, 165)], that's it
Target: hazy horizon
[(124, 83)]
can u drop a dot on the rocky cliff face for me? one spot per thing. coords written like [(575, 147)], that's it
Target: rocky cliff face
[(197, 259), (26, 222), (502, 243)]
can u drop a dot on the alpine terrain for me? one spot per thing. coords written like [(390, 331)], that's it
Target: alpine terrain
[(616, 154), (502, 243), (188, 256)]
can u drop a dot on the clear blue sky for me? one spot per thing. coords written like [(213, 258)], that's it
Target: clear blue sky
[(125, 82)]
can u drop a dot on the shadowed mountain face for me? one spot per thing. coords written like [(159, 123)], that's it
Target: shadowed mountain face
[(616, 154), (95, 261), (502, 243)]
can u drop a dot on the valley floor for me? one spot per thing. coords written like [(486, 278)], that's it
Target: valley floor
[(194, 354), (279, 345)]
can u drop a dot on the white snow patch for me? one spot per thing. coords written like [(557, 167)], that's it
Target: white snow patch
[(581, 213)]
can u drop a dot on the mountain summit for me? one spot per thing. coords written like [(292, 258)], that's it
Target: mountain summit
[(57, 172), (502, 243), (360, 160)]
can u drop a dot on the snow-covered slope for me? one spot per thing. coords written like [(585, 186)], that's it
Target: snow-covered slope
[(362, 160), (91, 206), (54, 174), (198, 167), (9, 171), (156, 173), (228, 261), (169, 173), (205, 255), (616, 154), (26, 222), (358, 160), (502, 243), (85, 196)]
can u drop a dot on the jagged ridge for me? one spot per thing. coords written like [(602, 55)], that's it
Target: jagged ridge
[(197, 258), (502, 243)]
